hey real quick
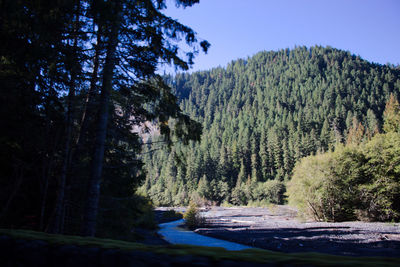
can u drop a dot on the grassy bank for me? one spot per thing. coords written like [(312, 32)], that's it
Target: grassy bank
[(215, 254)]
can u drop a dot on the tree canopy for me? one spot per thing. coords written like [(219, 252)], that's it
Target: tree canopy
[(76, 77)]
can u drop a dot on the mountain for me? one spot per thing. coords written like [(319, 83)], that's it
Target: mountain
[(260, 116)]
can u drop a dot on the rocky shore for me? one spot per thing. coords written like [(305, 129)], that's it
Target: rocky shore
[(278, 229)]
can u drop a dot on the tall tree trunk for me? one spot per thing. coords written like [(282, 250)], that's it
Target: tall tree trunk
[(76, 183), (91, 209), (90, 96), (66, 161), (45, 175), (59, 210), (19, 170), (48, 161)]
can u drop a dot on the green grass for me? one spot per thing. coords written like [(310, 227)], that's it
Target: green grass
[(217, 254)]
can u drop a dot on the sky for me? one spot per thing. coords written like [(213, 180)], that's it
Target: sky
[(241, 28)]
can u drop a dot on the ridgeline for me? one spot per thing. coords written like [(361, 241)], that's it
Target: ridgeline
[(262, 115)]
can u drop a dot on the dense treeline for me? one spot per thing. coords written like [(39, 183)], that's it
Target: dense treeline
[(76, 76), (262, 115), (356, 181)]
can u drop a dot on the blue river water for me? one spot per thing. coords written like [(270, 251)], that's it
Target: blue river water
[(176, 235)]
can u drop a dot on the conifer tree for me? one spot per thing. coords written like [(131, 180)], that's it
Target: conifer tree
[(392, 115)]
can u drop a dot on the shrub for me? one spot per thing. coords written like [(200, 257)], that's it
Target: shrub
[(326, 186), (305, 190), (360, 182), (192, 217), (239, 196), (271, 191)]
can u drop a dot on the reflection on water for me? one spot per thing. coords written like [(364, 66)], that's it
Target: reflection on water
[(175, 235)]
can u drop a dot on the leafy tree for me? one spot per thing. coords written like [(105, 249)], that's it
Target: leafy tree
[(380, 195), (324, 186)]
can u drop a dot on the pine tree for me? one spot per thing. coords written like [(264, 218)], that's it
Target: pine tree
[(392, 115)]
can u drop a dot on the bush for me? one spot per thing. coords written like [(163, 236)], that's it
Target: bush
[(251, 193), (192, 217), (239, 196), (271, 191), (354, 182), (325, 186)]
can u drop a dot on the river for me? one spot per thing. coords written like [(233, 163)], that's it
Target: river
[(174, 234)]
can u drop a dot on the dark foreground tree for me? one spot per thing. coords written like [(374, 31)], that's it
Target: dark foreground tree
[(136, 37), (78, 76)]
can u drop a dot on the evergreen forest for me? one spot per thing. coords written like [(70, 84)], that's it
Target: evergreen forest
[(260, 117), (92, 133), (112, 147)]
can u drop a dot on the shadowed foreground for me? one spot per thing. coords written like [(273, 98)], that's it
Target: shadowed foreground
[(28, 248)]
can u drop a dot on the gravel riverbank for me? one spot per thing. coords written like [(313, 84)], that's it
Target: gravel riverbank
[(278, 229)]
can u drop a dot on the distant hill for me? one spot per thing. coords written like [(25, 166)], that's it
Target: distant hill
[(260, 116)]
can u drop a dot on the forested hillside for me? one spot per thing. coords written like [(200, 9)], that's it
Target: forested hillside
[(260, 116)]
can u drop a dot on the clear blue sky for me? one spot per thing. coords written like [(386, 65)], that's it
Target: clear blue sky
[(241, 28)]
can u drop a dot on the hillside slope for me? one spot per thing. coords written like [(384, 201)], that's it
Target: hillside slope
[(260, 116)]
